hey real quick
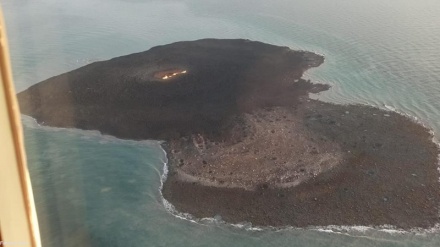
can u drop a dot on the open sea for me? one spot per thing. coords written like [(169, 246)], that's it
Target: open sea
[(94, 190)]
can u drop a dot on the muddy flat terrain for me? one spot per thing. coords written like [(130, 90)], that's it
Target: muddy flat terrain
[(245, 141)]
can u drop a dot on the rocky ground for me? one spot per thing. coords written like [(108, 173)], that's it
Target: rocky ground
[(246, 142), (316, 164)]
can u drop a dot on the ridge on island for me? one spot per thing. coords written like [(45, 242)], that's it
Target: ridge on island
[(245, 141)]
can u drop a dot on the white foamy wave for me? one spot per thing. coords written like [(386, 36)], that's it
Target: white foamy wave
[(341, 229), (394, 231), (184, 216), (390, 108), (168, 206), (247, 226), (389, 229), (325, 230)]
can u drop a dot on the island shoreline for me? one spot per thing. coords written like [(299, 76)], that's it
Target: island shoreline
[(169, 207), (256, 149)]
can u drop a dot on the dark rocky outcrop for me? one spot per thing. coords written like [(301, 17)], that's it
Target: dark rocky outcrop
[(246, 142)]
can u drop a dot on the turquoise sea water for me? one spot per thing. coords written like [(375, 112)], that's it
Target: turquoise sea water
[(93, 190)]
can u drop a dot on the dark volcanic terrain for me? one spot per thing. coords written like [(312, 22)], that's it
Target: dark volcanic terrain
[(245, 141)]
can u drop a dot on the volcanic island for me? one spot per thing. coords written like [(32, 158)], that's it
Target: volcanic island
[(245, 142)]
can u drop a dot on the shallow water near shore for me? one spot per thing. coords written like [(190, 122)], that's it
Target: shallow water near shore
[(93, 190)]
